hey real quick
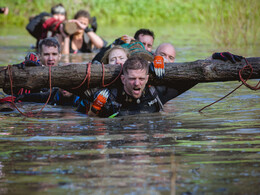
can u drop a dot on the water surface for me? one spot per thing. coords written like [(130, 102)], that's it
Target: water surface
[(177, 151)]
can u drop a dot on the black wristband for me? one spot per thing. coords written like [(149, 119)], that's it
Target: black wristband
[(88, 30)]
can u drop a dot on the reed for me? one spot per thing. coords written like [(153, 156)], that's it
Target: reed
[(238, 24)]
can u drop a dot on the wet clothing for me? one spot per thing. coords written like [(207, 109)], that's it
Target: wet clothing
[(86, 46), (34, 27), (50, 25), (21, 91), (56, 98), (83, 106), (119, 103), (40, 25)]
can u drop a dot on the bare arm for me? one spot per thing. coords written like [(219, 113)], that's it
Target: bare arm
[(65, 43), (95, 39)]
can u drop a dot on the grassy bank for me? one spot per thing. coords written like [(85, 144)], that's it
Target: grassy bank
[(229, 21), (115, 11), (236, 22)]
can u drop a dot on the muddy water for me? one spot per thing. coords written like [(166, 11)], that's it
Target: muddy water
[(177, 151)]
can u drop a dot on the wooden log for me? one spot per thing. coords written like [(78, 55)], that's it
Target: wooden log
[(72, 75)]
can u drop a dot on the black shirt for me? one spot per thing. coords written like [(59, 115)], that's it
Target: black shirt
[(119, 103)]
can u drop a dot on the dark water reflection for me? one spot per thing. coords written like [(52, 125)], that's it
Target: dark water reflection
[(182, 150), (177, 151)]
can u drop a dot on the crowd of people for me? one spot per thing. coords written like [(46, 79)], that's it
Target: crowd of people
[(57, 35), (77, 35)]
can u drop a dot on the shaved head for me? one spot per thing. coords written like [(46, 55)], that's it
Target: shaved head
[(167, 51)]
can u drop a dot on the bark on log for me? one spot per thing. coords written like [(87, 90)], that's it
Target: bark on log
[(72, 75)]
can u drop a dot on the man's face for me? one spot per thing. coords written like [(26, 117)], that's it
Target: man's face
[(117, 56), (167, 52), (147, 41), (134, 82), (49, 56)]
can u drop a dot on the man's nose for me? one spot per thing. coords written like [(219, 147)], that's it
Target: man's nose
[(118, 61), (137, 82), (50, 57), (166, 59)]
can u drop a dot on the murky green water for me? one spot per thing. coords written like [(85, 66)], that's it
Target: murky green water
[(178, 151)]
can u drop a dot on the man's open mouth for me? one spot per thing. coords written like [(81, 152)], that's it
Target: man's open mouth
[(50, 64), (137, 90)]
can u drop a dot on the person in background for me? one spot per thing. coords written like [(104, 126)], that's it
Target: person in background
[(116, 55), (167, 51), (146, 37), (52, 25), (49, 51), (58, 12), (49, 55), (46, 24), (85, 40), (4, 10)]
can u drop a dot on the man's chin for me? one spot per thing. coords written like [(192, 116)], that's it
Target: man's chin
[(136, 95)]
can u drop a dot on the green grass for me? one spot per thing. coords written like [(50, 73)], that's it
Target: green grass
[(114, 11)]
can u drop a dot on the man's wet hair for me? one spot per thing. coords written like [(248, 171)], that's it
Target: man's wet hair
[(144, 32), (135, 63), (49, 42), (58, 9), (82, 13)]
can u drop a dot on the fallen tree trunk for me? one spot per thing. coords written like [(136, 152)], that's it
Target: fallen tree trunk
[(72, 75)]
